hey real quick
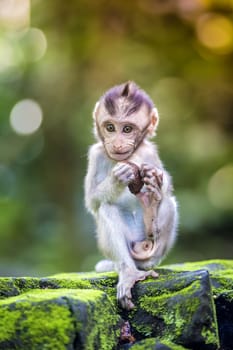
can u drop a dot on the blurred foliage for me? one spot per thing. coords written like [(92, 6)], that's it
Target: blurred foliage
[(61, 57)]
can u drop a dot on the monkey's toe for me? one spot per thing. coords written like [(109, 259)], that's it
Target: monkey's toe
[(127, 303), (124, 296)]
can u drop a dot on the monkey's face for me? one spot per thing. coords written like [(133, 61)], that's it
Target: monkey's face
[(122, 135), (120, 139)]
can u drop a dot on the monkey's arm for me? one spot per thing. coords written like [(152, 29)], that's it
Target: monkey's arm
[(101, 185)]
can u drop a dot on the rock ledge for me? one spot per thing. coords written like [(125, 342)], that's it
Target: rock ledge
[(190, 306)]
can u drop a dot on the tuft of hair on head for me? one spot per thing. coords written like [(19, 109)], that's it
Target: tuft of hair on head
[(125, 91), (133, 95)]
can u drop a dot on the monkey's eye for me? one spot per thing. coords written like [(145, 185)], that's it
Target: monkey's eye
[(110, 127), (127, 129)]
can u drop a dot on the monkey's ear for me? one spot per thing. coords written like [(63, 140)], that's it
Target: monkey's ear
[(94, 115), (154, 122), (95, 111)]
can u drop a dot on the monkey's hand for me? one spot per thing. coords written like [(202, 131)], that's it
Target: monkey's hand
[(153, 180), (127, 279), (124, 173)]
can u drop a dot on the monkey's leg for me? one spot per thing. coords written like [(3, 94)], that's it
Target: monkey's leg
[(113, 239), (167, 219), (167, 224)]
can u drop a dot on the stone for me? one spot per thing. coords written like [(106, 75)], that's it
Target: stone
[(177, 307), (221, 276), (185, 308), (153, 344), (58, 319)]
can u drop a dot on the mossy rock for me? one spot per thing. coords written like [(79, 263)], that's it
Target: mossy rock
[(79, 310), (177, 307), (221, 276), (153, 344), (8, 288), (58, 319), (220, 271), (224, 308)]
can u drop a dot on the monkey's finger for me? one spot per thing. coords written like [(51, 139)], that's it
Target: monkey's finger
[(150, 181), (152, 273), (127, 304), (145, 168), (123, 291), (124, 172), (156, 193), (152, 186), (118, 168), (125, 168), (121, 165), (126, 179), (124, 297), (159, 179), (156, 181), (150, 171)]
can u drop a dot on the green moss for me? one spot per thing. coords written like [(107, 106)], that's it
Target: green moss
[(7, 287), (229, 296), (210, 265), (209, 336), (147, 344), (150, 343), (87, 277), (8, 323), (176, 309), (170, 307), (68, 282), (103, 321), (91, 280), (221, 273), (221, 282), (31, 325), (26, 283), (50, 319), (102, 281)]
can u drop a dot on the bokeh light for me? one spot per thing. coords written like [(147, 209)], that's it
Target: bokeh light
[(207, 141), (9, 56), (14, 14), (215, 32), (220, 188), (34, 44), (26, 117)]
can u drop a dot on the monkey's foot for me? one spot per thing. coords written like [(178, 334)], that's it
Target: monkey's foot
[(153, 180), (127, 280)]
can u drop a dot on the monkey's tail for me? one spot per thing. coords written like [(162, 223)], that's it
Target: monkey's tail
[(105, 266), (143, 250)]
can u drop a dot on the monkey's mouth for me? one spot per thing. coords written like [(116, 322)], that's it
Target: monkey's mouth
[(121, 155)]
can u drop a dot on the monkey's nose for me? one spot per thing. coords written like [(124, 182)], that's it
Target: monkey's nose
[(117, 148)]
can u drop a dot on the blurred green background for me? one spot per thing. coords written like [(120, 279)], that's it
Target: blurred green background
[(56, 59)]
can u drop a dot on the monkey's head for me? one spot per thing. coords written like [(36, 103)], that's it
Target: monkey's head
[(123, 117)]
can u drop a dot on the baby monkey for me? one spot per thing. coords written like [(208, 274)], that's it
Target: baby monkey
[(127, 189)]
